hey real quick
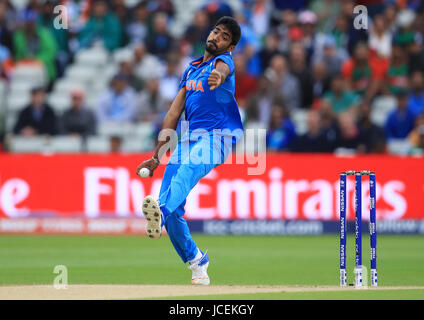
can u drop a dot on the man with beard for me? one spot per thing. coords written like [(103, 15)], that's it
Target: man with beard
[(206, 95)]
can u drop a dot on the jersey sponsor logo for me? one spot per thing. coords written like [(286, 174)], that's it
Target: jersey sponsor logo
[(194, 85)]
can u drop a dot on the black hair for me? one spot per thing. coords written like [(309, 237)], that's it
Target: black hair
[(38, 89), (232, 25)]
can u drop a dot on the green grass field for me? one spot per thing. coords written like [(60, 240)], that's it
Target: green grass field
[(235, 260)]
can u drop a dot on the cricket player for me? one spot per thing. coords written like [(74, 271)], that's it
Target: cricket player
[(206, 95)]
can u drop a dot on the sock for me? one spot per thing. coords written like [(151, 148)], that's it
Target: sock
[(197, 257)]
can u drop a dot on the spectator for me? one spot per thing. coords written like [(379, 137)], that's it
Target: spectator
[(159, 41), (329, 125), (397, 74), (349, 137), (78, 120), (286, 28), (363, 74), (150, 103), (320, 81), (6, 63), (332, 56), (389, 14), (102, 26), (269, 50), (380, 39), (259, 17), (414, 136), (47, 20), (299, 68), (340, 98), (260, 102), (416, 97), (138, 28), (197, 33), (354, 35), (78, 14), (35, 43), (326, 12), (281, 130), (146, 65), (283, 81), (295, 5), (164, 6), (372, 137), (249, 45), (118, 102), (401, 121), (38, 117), (115, 143), (33, 5), (245, 83), (405, 34), (315, 139), (5, 30), (9, 14), (216, 9), (119, 8), (169, 82), (307, 20), (415, 53), (6, 42), (419, 147), (126, 67), (374, 7), (340, 32)]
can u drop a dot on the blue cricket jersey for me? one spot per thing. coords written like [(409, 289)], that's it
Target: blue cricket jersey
[(206, 109)]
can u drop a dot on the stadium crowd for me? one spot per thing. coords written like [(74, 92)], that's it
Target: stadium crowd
[(293, 55)]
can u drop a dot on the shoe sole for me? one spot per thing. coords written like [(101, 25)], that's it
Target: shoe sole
[(153, 215)]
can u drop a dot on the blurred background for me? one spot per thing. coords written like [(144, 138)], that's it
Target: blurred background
[(82, 106), (303, 72)]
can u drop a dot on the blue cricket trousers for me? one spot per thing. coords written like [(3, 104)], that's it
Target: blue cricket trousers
[(190, 161)]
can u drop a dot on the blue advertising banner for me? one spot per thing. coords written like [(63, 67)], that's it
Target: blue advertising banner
[(298, 227)]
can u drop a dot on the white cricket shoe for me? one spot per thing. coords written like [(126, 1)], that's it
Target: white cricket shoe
[(199, 271), (152, 213)]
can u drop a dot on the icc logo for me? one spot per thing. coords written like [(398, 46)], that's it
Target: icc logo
[(361, 20)]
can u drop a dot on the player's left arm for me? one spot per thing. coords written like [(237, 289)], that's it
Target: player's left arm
[(218, 75)]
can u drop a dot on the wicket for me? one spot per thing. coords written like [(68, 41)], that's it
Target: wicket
[(358, 227)]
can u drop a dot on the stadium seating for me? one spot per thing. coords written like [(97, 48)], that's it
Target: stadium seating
[(92, 68), (65, 144), (97, 144), (399, 146)]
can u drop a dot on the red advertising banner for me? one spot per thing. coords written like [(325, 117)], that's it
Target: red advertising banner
[(74, 226), (288, 187)]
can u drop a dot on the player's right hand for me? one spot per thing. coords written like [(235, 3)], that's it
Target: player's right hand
[(150, 164)]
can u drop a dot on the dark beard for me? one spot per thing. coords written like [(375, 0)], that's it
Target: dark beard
[(212, 49)]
